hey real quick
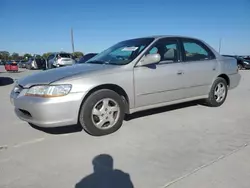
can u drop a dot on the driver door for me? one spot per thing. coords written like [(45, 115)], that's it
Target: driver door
[(161, 82)]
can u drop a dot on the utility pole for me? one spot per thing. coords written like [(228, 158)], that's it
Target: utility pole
[(72, 40), (220, 45)]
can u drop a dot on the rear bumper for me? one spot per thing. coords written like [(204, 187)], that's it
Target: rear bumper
[(63, 63), (234, 80)]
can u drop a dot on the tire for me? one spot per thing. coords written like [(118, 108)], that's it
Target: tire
[(213, 99), (89, 120), (240, 66)]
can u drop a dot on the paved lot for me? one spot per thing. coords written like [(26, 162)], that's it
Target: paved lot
[(179, 146)]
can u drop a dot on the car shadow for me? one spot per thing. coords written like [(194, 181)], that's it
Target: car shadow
[(58, 130), (77, 128), (4, 81), (154, 111), (104, 175)]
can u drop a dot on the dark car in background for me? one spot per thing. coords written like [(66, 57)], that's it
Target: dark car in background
[(35, 62), (22, 64), (2, 62), (86, 58), (241, 62), (246, 57), (246, 62)]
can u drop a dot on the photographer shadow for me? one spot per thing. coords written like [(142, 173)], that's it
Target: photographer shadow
[(104, 176)]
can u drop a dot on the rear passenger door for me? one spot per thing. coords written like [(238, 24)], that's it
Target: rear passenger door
[(200, 67)]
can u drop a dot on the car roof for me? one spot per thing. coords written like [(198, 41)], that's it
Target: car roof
[(168, 36)]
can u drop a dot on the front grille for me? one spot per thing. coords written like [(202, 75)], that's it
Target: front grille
[(25, 112)]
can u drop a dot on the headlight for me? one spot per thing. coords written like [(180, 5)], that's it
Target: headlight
[(49, 91), (246, 62)]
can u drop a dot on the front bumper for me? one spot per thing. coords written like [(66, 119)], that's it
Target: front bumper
[(48, 112), (247, 66)]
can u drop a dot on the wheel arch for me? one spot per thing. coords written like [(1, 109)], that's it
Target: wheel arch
[(119, 90), (225, 77)]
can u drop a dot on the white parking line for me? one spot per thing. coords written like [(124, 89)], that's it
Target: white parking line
[(204, 166), (28, 142)]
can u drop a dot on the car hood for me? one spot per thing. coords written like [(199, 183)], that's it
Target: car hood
[(50, 76)]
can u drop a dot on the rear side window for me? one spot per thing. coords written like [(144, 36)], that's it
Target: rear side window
[(196, 51), (65, 55)]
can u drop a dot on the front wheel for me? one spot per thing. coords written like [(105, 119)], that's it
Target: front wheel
[(102, 113), (218, 93)]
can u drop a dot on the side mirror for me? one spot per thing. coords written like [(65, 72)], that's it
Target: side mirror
[(150, 59)]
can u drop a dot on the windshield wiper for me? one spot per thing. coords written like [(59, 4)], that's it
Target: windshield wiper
[(97, 62), (112, 63)]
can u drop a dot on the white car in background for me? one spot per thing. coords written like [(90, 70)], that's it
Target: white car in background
[(59, 60)]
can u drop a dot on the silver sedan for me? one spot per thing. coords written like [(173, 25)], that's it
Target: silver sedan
[(131, 76)]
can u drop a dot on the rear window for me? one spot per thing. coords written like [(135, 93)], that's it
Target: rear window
[(65, 55)]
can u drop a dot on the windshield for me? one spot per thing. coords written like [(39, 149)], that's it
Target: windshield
[(122, 53)]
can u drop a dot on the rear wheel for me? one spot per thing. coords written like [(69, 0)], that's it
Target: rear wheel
[(102, 113), (240, 66), (218, 93)]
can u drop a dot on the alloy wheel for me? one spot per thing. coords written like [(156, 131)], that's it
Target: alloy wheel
[(105, 113), (220, 92)]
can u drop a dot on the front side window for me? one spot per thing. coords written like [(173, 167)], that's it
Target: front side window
[(122, 53), (168, 50), (194, 51)]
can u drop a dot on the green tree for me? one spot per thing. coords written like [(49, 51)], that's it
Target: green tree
[(37, 55), (27, 56), (46, 55), (15, 56), (4, 55), (77, 54)]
